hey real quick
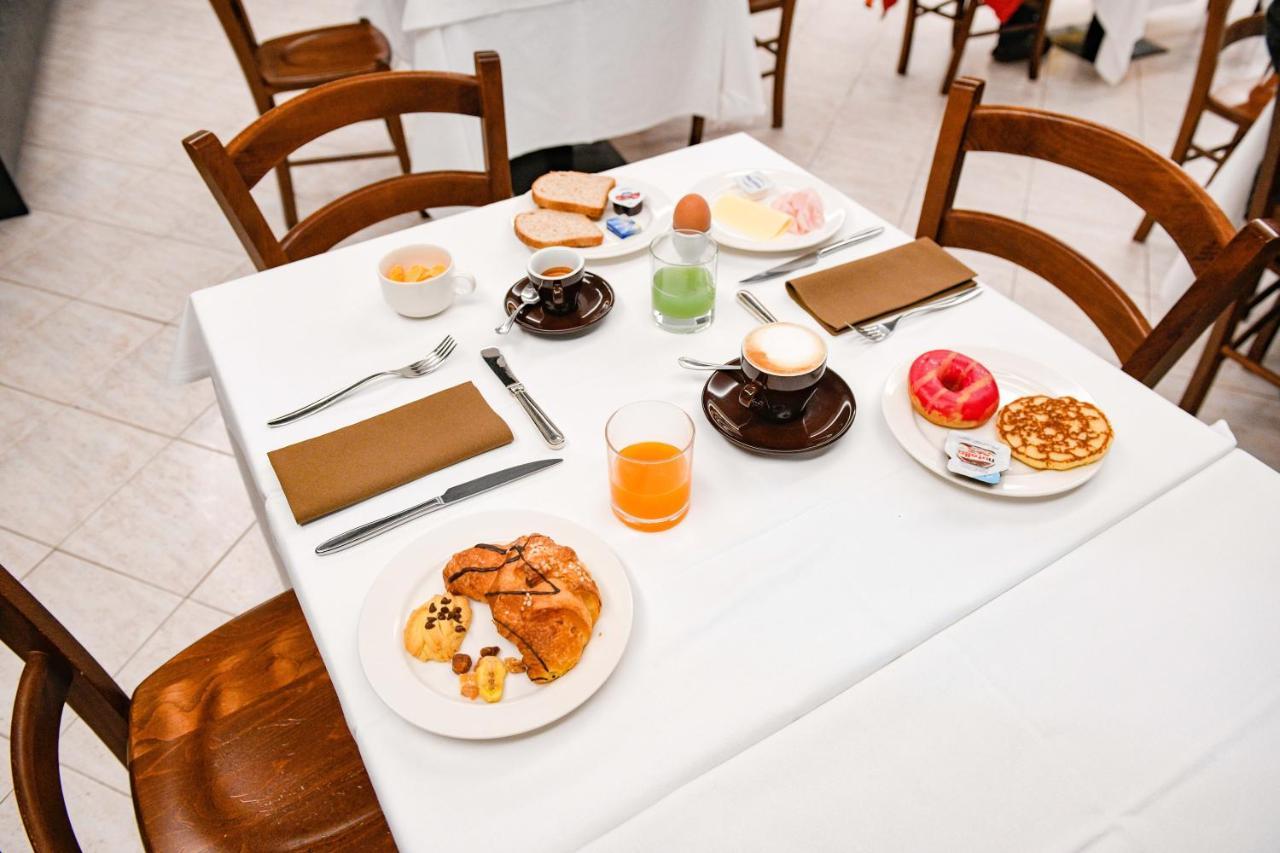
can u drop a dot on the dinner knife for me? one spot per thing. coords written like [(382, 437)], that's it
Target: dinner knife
[(813, 257), (498, 364), (452, 495)]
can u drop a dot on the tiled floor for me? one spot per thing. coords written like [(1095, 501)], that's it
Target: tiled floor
[(120, 506)]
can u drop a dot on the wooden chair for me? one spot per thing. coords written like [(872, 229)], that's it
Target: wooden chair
[(779, 46), (238, 743), (961, 13), (301, 60), (1241, 108), (1226, 264), (232, 171), (1241, 334)]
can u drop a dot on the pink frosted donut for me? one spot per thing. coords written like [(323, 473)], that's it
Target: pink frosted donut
[(952, 390)]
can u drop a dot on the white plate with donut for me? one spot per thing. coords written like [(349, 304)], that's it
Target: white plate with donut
[(1016, 376), (426, 693)]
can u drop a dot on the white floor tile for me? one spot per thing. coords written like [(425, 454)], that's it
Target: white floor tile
[(19, 554), (209, 431), (172, 522), (244, 578), (188, 623), (21, 414), (137, 389)]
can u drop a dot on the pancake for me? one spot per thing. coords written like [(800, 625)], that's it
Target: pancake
[(1054, 433)]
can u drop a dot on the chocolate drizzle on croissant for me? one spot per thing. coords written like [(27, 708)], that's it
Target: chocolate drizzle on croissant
[(542, 598)]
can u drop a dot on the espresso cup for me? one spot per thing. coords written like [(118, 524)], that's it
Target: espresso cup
[(557, 272), (422, 298), (782, 363)]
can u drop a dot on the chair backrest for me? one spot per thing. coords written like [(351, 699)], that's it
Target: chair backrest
[(235, 23), (1218, 36), (1150, 180), (232, 171), (57, 670)]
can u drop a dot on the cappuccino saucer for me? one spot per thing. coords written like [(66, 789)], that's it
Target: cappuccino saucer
[(828, 416), (595, 300)]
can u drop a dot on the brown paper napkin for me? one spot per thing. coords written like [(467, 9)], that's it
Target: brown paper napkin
[(335, 470), (871, 287)]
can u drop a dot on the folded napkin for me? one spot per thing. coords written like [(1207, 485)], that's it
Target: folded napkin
[(340, 468), (871, 287)]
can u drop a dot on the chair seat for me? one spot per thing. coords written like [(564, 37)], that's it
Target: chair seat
[(238, 742), (310, 58), (1244, 100)]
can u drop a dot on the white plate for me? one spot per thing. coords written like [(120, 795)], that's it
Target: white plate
[(1017, 376), (712, 188), (426, 694), (650, 219)]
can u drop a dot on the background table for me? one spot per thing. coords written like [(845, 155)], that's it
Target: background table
[(587, 69), (790, 581), (1127, 698)]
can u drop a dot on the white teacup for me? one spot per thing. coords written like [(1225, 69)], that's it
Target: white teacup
[(423, 298)]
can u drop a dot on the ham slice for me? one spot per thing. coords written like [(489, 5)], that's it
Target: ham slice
[(805, 209)]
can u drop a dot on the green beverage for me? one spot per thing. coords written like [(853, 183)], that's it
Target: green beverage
[(684, 280), (683, 293)]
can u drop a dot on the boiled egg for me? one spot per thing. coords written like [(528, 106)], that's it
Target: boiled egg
[(692, 214)]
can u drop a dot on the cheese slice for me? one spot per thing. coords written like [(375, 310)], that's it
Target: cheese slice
[(749, 218)]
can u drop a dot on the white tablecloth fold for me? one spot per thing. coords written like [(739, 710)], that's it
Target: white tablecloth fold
[(1127, 698), (790, 580)]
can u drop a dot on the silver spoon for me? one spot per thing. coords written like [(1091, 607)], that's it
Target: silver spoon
[(697, 364), (528, 296)]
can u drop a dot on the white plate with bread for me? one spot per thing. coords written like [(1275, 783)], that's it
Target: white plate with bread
[(550, 595), (742, 227), (1016, 376), (573, 209)]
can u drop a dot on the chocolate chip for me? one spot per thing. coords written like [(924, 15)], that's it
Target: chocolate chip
[(444, 601), (489, 651), (432, 609), (459, 628)]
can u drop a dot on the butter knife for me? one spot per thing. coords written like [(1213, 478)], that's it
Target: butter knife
[(452, 495), (498, 364), (813, 257)]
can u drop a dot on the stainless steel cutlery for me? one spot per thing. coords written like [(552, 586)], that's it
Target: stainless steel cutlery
[(418, 368), (528, 296), (813, 257), (498, 364), (755, 307), (884, 327), (451, 496)]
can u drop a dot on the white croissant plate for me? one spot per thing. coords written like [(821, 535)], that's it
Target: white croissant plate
[(426, 694)]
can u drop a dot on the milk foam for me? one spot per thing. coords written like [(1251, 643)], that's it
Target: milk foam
[(784, 349)]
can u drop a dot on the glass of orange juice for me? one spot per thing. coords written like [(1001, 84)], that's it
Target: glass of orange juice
[(650, 464)]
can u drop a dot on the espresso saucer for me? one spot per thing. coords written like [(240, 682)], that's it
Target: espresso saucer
[(595, 300), (828, 416)]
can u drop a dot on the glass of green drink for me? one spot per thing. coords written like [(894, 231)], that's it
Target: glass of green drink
[(683, 264)]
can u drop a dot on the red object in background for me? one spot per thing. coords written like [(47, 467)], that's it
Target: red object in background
[(1003, 8)]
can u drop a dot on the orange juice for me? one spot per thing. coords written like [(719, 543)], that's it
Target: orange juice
[(649, 481)]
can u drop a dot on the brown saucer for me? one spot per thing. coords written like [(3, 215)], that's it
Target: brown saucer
[(828, 416), (595, 300)]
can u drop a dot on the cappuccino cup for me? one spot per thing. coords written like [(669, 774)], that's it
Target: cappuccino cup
[(782, 363), (557, 272)]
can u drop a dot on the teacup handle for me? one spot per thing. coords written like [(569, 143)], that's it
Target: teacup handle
[(749, 397), (459, 278), (558, 299)]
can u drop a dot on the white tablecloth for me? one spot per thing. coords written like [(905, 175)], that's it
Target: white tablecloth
[(576, 70), (1127, 698), (1124, 22), (864, 552)]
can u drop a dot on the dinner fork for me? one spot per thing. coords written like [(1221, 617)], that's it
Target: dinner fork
[(877, 332), (409, 371)]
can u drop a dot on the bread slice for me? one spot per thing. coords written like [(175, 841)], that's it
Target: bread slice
[(543, 228), (575, 192)]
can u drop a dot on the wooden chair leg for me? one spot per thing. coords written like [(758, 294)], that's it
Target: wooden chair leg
[(780, 63), (908, 34), (285, 179), (396, 131), (1037, 49), (960, 37), (695, 130), (1263, 339), (1210, 360), (1144, 229)]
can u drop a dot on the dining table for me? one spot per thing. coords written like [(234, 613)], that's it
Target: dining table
[(1125, 698), (588, 69), (790, 582)]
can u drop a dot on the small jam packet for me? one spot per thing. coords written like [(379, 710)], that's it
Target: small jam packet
[(623, 226), (754, 185), (972, 457)]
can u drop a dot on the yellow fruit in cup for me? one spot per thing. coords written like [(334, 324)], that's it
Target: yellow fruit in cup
[(396, 273), (417, 272)]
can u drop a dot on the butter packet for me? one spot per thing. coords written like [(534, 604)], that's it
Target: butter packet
[(974, 458), (754, 185)]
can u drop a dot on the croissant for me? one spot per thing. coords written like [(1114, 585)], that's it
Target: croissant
[(541, 596)]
